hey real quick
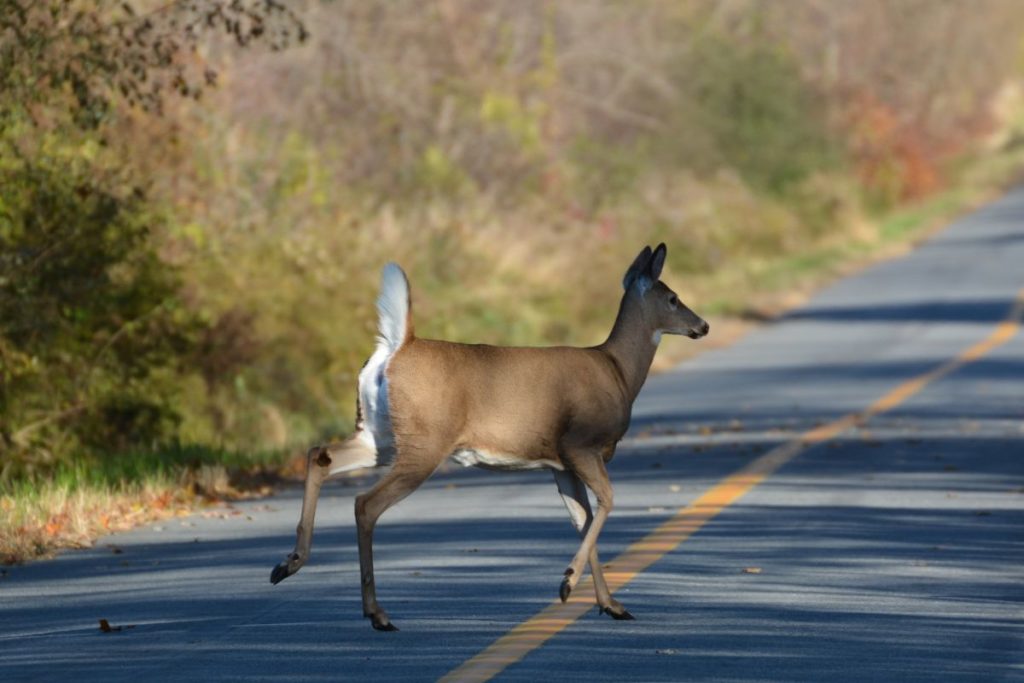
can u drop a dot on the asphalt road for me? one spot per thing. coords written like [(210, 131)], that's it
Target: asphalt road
[(894, 552)]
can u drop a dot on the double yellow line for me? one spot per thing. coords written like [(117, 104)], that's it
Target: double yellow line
[(554, 618)]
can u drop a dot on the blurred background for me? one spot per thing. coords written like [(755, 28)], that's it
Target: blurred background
[(196, 198)]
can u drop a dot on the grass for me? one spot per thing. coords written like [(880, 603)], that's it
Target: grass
[(786, 280), (81, 501)]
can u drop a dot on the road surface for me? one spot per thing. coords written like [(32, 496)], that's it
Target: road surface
[(885, 549)]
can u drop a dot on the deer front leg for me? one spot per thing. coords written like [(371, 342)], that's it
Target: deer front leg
[(590, 469), (402, 480), (574, 495), (322, 463)]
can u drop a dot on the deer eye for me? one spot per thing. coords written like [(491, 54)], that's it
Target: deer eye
[(673, 301)]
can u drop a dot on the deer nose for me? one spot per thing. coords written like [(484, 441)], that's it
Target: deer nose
[(704, 329)]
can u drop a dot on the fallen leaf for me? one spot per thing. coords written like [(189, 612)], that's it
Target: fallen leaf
[(751, 570), (105, 627)]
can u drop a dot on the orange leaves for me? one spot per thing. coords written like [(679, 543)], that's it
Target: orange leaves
[(162, 501), (892, 156), (56, 517), (54, 526)]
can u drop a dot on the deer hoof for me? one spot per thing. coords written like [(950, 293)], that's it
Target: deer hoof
[(620, 614), (565, 589), (292, 564), (280, 573), (382, 623)]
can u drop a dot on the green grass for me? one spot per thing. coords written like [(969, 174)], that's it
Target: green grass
[(900, 227), (169, 463), (76, 502)]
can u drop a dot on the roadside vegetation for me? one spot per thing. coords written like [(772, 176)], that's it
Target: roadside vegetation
[(196, 199)]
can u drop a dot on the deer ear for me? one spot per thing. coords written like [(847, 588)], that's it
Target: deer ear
[(639, 266), (657, 262)]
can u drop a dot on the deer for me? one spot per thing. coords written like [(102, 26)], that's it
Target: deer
[(421, 402)]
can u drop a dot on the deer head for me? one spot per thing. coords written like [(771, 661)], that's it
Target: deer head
[(660, 307)]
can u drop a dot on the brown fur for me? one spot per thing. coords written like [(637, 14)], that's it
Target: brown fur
[(561, 407)]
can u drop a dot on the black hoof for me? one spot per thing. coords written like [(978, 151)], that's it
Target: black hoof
[(382, 625), (565, 589), (618, 616), (280, 573)]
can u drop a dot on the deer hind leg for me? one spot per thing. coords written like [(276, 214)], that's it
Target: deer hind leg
[(404, 478), (574, 495), (589, 467), (322, 463)]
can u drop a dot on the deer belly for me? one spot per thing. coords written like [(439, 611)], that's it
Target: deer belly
[(473, 457)]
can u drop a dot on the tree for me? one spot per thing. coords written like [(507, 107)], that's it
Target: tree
[(93, 328)]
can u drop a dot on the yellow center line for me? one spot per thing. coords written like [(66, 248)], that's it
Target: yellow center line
[(556, 617)]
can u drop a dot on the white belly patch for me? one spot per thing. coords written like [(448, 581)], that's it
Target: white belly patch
[(471, 457)]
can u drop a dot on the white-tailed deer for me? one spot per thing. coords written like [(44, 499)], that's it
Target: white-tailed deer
[(421, 401)]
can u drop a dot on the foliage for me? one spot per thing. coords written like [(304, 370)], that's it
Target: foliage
[(89, 319), (766, 122), (95, 336), (507, 154), (93, 53)]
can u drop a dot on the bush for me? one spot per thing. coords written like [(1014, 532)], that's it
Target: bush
[(91, 324), (96, 342), (759, 116)]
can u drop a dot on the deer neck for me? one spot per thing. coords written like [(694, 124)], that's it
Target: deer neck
[(632, 344)]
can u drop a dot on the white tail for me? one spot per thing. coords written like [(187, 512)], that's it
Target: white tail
[(505, 408), (393, 326)]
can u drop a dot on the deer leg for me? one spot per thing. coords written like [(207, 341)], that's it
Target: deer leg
[(322, 463), (574, 495), (590, 469), (403, 479)]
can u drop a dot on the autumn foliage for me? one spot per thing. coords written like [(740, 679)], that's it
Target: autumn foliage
[(196, 197)]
